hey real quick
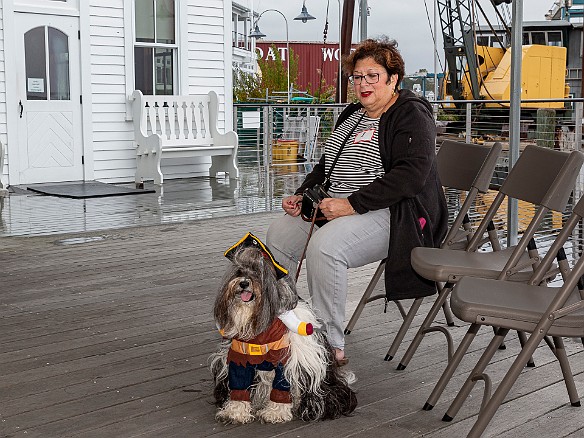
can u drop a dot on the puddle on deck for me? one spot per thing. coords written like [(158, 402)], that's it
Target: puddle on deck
[(25, 213)]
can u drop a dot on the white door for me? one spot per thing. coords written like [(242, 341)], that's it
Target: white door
[(49, 89)]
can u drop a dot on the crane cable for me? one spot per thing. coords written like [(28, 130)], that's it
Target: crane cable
[(324, 37), (433, 35), (435, 45)]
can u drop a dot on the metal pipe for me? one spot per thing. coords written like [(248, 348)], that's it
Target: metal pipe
[(363, 20), (515, 113)]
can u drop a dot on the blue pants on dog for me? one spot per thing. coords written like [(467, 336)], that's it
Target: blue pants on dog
[(241, 378)]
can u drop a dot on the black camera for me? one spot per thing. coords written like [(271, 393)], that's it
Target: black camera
[(310, 200)]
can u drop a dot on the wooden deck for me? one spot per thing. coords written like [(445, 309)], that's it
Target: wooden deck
[(107, 334)]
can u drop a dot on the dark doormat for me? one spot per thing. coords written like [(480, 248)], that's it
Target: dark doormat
[(85, 189)]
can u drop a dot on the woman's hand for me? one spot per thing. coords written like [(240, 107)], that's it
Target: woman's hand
[(333, 208), (291, 205)]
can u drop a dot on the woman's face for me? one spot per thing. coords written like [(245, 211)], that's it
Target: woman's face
[(374, 97)]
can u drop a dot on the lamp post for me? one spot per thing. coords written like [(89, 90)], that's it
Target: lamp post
[(257, 33), (304, 16)]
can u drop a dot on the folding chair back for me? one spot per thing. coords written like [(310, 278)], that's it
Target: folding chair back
[(543, 177), (539, 310), (466, 167), (462, 166)]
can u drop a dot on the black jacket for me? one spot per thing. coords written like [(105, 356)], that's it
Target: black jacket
[(410, 188)]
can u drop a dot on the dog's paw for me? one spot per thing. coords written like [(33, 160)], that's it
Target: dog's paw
[(275, 413), (235, 412)]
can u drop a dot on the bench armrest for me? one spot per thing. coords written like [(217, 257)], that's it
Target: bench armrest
[(227, 139)]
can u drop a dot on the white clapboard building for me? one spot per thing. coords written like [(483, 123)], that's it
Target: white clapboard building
[(68, 68)]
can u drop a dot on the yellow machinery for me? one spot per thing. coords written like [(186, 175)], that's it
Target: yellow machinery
[(480, 72), (543, 72)]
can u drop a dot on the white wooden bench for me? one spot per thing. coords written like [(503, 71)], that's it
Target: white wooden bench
[(180, 127)]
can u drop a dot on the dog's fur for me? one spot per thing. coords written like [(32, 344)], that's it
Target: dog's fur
[(319, 389)]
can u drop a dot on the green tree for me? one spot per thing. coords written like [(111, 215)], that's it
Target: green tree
[(246, 86)]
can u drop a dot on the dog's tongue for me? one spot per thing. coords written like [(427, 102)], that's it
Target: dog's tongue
[(246, 296)]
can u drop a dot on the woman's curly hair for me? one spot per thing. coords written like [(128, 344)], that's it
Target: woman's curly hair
[(383, 50)]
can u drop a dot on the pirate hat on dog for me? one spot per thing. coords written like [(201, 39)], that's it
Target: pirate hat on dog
[(249, 240)]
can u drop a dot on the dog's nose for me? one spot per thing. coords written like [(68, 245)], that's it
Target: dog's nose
[(244, 284)]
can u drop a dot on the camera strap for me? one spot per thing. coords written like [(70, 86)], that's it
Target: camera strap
[(326, 183)]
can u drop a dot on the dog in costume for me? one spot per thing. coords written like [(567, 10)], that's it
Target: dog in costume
[(274, 363)]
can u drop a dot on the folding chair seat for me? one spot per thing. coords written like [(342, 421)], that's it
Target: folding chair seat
[(529, 307), (541, 176), (464, 167)]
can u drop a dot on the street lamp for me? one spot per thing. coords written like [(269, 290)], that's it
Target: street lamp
[(257, 33), (304, 16)]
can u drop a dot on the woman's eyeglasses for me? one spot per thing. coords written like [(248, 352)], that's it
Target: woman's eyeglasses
[(370, 78)]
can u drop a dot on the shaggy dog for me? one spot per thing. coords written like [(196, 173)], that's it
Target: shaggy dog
[(271, 365)]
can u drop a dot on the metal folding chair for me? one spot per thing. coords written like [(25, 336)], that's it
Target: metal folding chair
[(464, 167), (541, 176), (528, 307)]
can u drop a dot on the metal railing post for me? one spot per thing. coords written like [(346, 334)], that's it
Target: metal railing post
[(468, 122), (578, 114), (267, 149)]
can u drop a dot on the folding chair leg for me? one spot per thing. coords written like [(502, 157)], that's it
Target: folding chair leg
[(440, 300), (399, 337), (488, 410), (448, 314), (453, 363), (560, 353), (477, 370), (522, 340), (366, 297)]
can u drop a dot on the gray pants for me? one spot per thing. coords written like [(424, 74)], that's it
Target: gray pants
[(345, 242)]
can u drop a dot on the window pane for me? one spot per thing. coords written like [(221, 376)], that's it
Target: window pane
[(143, 67), (144, 18), (59, 64), (165, 21), (538, 38), (35, 61), (483, 40), (525, 38), (164, 70), (555, 39)]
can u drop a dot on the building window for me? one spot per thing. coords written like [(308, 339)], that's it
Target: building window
[(155, 46), (554, 39), (538, 38), (483, 41), (241, 24), (46, 52)]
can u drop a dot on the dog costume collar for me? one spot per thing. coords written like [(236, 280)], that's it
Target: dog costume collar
[(251, 240), (258, 349)]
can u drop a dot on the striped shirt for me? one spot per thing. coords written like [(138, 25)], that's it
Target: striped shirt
[(360, 162)]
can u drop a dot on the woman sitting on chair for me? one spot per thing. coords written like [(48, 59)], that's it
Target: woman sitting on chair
[(385, 194)]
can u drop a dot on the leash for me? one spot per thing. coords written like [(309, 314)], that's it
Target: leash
[(306, 245)]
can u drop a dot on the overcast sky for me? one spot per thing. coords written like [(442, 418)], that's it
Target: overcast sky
[(404, 20)]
